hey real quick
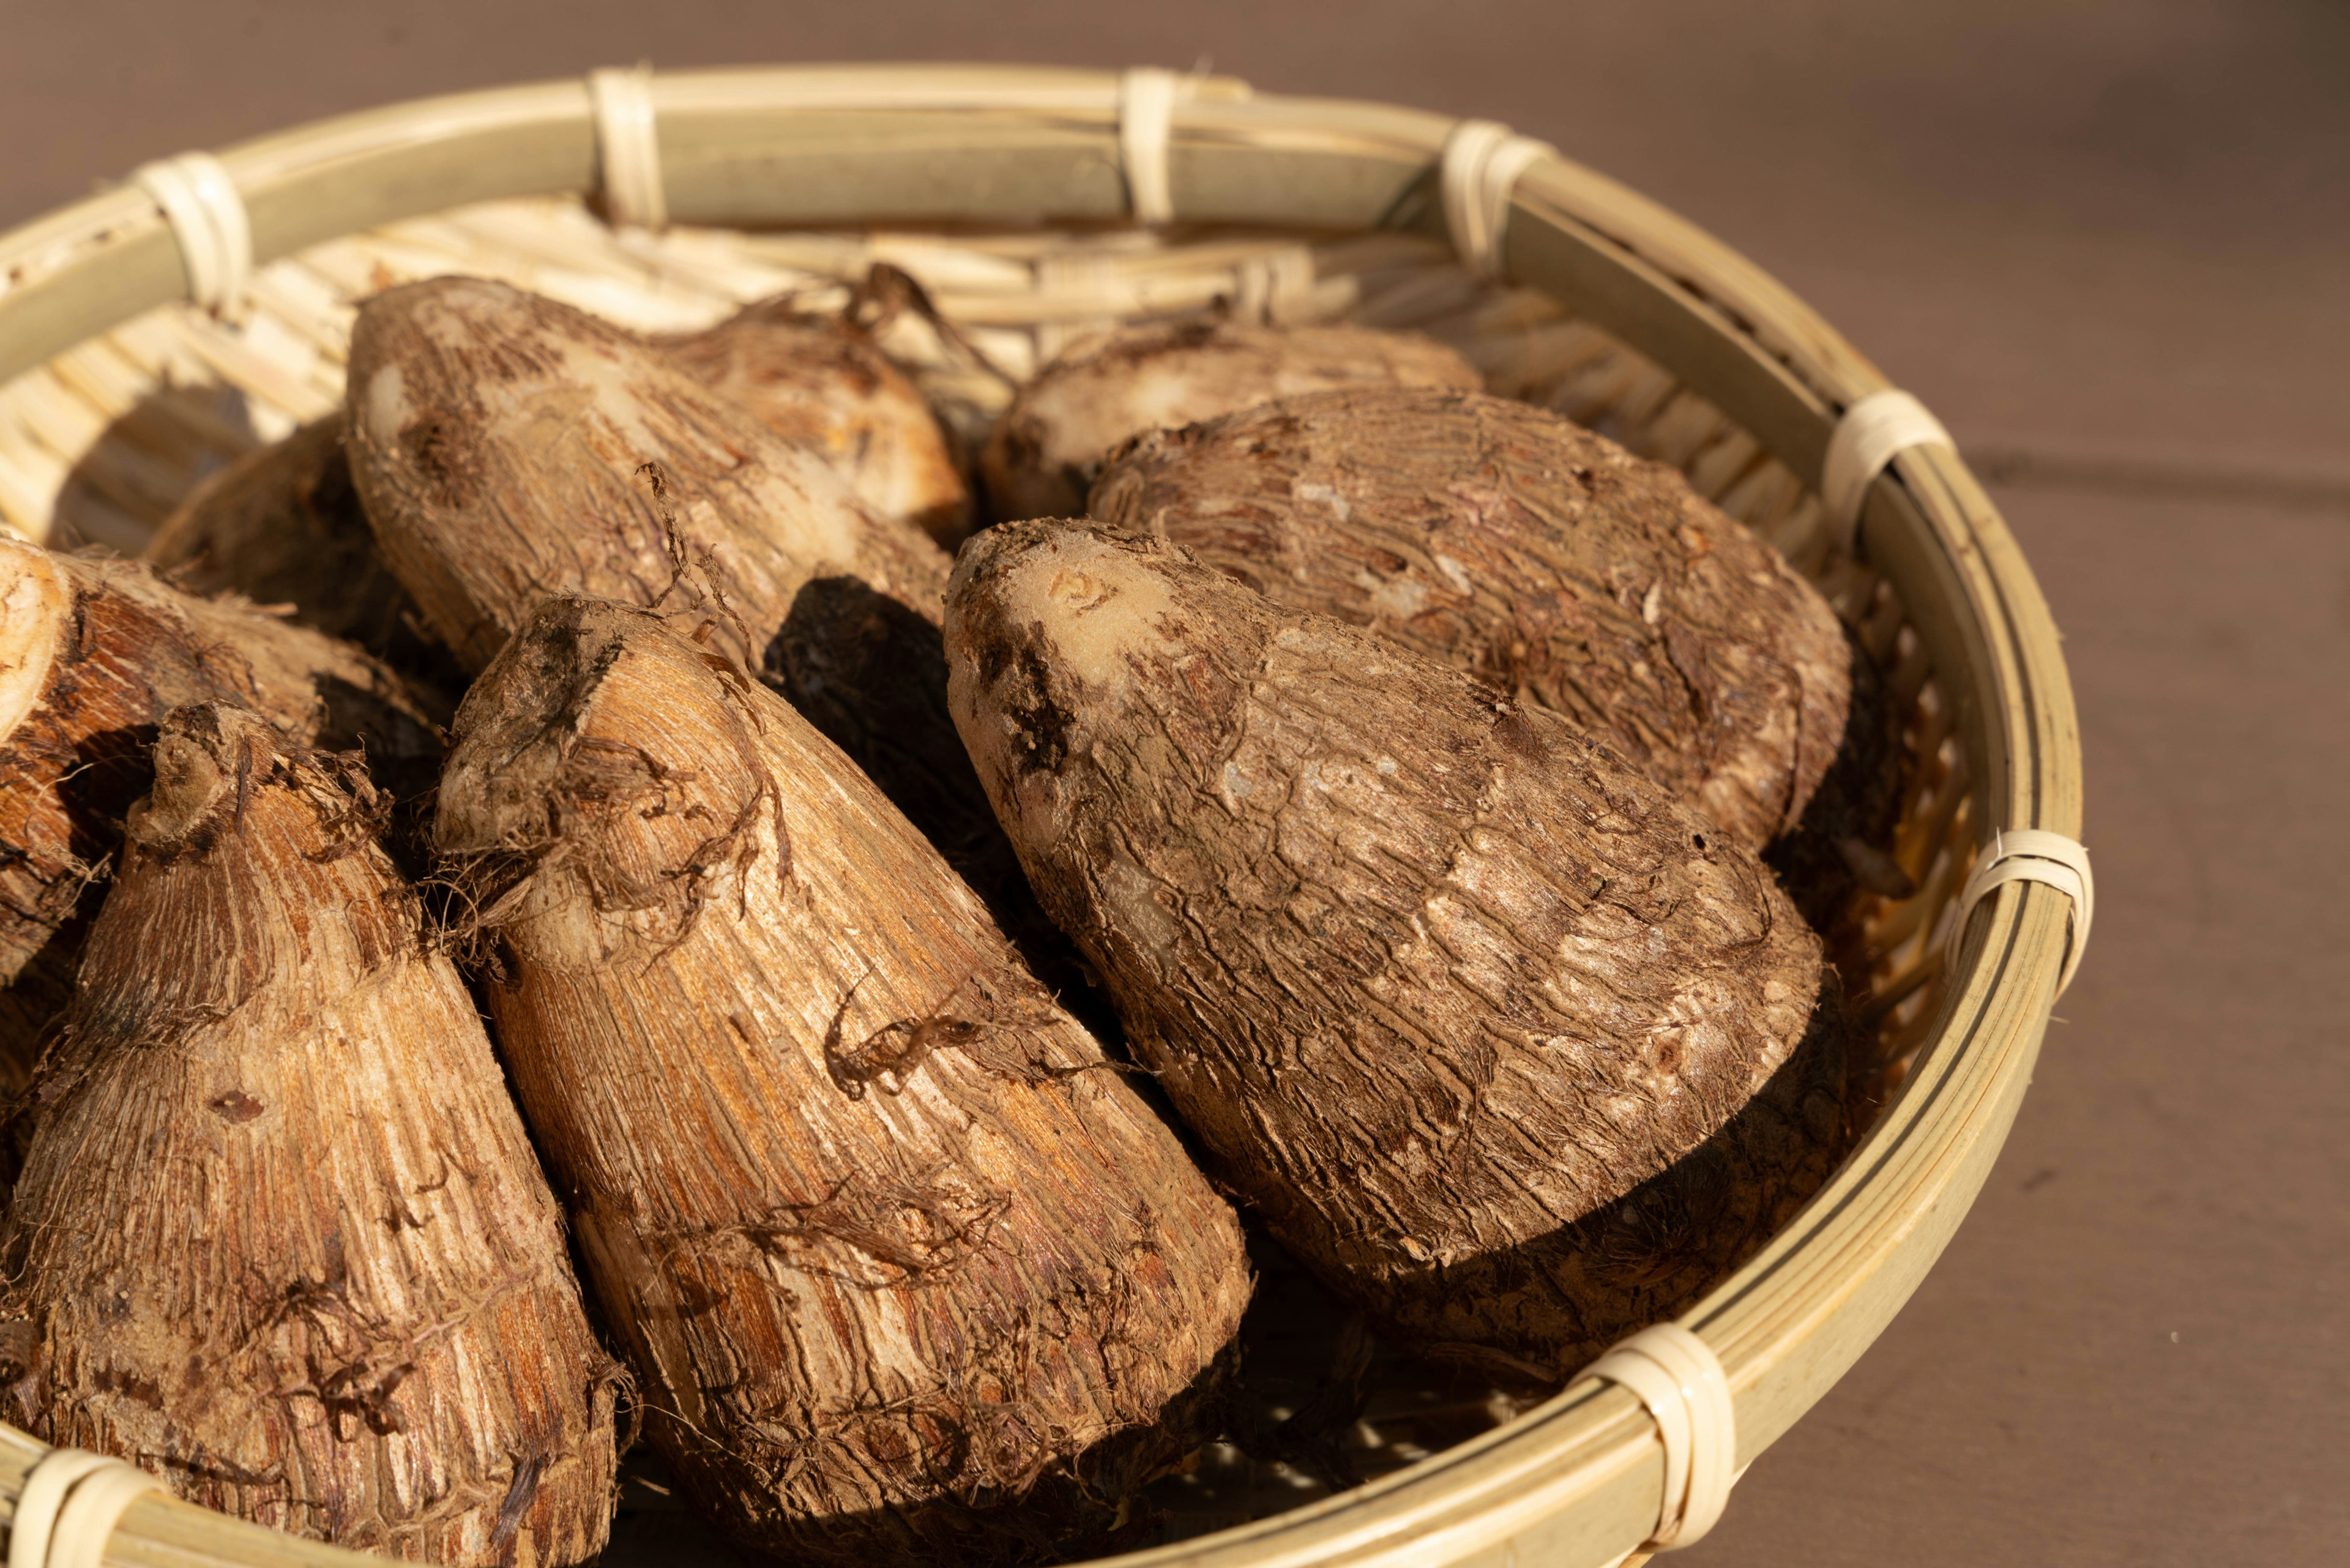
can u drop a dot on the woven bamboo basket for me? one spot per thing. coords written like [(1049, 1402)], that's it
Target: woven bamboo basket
[(1014, 196)]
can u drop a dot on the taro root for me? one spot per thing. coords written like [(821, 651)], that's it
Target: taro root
[(1104, 389), (497, 438), (821, 384), (92, 655), (1506, 541), (280, 1237), (906, 1270), (1513, 1048), (282, 527)]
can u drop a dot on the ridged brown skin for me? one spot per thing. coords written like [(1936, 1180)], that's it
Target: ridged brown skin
[(1511, 1046), (495, 438), (1045, 449), (280, 1237), (92, 655), (1511, 543), (281, 525), (908, 1272), (821, 383)]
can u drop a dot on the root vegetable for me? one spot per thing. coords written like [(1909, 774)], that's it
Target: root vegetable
[(92, 655), (281, 525), (1047, 448), (496, 439), (1508, 542), (280, 1237), (906, 1270), (821, 384), (1510, 1045)]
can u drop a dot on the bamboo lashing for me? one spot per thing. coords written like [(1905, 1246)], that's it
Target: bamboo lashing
[(1146, 116), (1872, 433), (208, 222), (1676, 1375), (1477, 172), (71, 1502), (2033, 855), (627, 147)]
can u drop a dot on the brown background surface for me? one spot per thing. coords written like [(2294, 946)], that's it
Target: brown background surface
[(2110, 244)]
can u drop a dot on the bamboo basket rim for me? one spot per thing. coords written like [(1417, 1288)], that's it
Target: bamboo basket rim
[(1579, 1478)]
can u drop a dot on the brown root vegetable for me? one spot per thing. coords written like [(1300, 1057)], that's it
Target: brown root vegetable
[(906, 1270), (282, 527), (92, 655), (497, 440), (280, 1237), (1506, 541), (821, 384), (1510, 1045), (1102, 390)]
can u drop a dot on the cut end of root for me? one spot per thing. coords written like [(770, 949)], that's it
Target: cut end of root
[(1046, 624), (208, 757), (558, 760), (516, 726), (1098, 604), (34, 605)]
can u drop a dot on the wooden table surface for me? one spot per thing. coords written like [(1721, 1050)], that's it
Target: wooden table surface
[(2110, 246)]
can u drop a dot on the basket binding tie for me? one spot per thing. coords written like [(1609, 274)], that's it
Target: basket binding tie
[(1676, 1375), (2033, 855), (1146, 97), (1871, 434), (70, 1504), (208, 222), (627, 147), (1475, 175)]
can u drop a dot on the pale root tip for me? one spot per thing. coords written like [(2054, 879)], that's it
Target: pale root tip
[(34, 604), (194, 767), (386, 406), (1097, 605)]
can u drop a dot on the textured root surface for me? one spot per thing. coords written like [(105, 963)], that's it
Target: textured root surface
[(501, 441), (906, 1268), (280, 1237), (821, 384), (1506, 541), (1044, 452), (104, 651), (498, 441), (1438, 977)]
